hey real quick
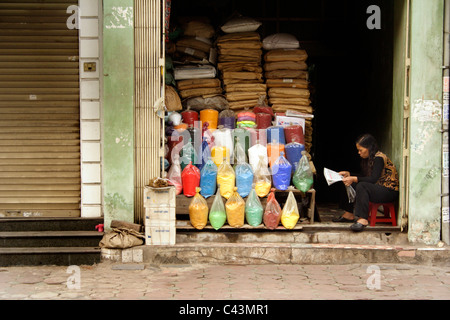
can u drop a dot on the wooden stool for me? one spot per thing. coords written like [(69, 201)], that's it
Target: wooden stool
[(389, 213)]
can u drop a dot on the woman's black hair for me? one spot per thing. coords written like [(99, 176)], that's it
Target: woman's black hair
[(369, 142)]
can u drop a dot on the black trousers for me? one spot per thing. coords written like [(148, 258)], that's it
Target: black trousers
[(365, 193)]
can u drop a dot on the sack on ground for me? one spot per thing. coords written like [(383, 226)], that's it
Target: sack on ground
[(122, 238)]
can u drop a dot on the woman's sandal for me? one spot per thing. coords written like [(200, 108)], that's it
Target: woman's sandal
[(342, 219), (358, 227)]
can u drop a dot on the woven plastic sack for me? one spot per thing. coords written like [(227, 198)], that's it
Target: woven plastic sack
[(272, 213), (226, 179), (290, 213), (191, 180), (262, 180), (198, 211), (281, 173), (303, 178), (217, 214), (280, 41), (235, 209), (241, 24), (174, 176), (253, 209), (208, 179)]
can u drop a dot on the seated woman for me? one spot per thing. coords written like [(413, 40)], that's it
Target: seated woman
[(378, 183)]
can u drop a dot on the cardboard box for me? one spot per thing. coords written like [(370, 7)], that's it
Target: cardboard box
[(154, 215), (155, 197), (163, 235)]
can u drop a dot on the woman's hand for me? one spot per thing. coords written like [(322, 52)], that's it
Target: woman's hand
[(345, 174), (348, 181)]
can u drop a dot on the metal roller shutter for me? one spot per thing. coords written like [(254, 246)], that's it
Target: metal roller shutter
[(39, 110)]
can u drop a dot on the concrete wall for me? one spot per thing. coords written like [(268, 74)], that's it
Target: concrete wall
[(425, 145), (118, 106)]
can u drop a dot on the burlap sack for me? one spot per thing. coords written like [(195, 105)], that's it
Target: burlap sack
[(242, 104), (241, 36), (239, 96), (285, 65), (286, 55), (281, 108), (237, 64), (227, 82), (191, 42), (246, 87), (242, 68), (198, 29), (287, 74), (122, 238), (242, 75), (186, 94), (230, 58), (198, 83), (217, 102), (289, 93), (241, 52), (172, 99), (192, 52), (287, 83), (290, 101), (252, 45)]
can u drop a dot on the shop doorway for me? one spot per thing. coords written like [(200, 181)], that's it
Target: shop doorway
[(351, 69)]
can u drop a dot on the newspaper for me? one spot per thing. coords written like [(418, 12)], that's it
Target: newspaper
[(333, 177)]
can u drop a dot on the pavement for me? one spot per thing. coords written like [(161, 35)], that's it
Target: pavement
[(292, 282)]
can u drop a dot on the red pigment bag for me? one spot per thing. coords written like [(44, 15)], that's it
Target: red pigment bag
[(272, 214), (191, 179)]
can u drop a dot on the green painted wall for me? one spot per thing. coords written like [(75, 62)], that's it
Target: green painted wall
[(398, 99), (425, 144), (118, 106), (400, 17)]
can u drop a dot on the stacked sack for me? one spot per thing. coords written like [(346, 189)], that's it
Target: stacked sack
[(239, 56), (286, 73), (195, 73)]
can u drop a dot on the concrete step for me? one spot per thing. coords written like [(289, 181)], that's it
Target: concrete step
[(280, 253), (50, 239), (315, 233), (317, 244), (37, 256), (48, 224)]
